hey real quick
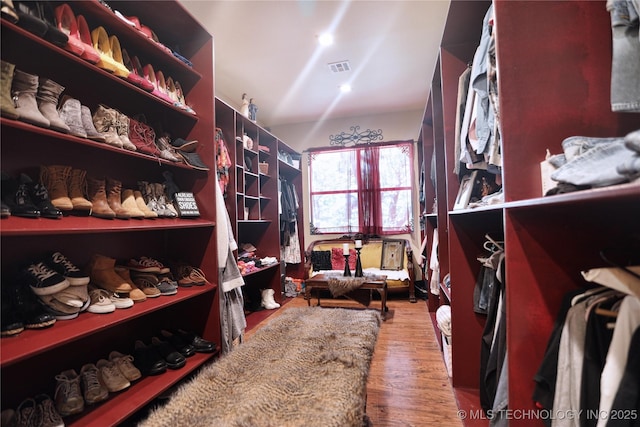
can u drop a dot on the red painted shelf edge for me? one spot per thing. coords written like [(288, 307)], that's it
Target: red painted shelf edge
[(32, 342)]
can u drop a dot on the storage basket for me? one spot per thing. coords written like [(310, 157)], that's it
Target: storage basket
[(264, 168)]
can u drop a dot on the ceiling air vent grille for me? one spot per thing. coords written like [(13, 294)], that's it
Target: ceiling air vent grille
[(339, 67)]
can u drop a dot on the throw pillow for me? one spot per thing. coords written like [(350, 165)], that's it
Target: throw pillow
[(321, 260), (337, 259)]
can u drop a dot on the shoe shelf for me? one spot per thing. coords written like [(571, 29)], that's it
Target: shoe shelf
[(121, 406), (40, 50), (30, 343)]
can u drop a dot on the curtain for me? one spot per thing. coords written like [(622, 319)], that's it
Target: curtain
[(369, 202)]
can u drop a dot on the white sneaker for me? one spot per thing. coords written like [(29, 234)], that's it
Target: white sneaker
[(100, 301), (120, 301)]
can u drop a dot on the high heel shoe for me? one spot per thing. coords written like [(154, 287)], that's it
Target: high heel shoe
[(162, 87), (135, 77), (150, 75), (68, 24), (89, 54), (102, 45), (181, 100), (116, 54)]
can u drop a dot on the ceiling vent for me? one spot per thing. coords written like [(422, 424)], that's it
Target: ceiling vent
[(339, 67)]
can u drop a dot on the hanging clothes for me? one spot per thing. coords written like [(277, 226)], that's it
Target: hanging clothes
[(223, 162)]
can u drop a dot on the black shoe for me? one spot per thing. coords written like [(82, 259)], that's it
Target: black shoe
[(40, 197), (53, 34), (193, 160), (148, 360), (11, 318), (186, 349), (27, 305), (29, 19), (184, 145), (16, 196), (200, 344), (171, 356)]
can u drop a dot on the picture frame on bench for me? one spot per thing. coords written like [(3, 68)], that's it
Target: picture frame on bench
[(392, 255)]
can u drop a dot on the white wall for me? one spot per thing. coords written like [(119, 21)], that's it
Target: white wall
[(403, 125)]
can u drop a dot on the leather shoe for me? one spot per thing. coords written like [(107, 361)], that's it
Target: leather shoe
[(186, 349), (173, 358), (200, 344), (148, 360)]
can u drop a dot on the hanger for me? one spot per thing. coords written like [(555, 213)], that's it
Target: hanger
[(496, 244)]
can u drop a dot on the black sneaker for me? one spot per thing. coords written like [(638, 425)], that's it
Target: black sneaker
[(40, 197), (193, 160), (43, 280), (67, 269)]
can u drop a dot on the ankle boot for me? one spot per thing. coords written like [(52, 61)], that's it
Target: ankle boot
[(102, 271), (24, 88), (268, 301), (87, 124), (130, 205), (6, 102), (98, 197), (56, 180), (40, 197), (77, 189), (135, 294), (122, 127), (149, 197), (168, 211), (69, 112), (17, 197), (47, 96), (148, 213), (114, 197), (105, 121)]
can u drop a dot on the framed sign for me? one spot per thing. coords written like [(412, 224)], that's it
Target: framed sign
[(392, 255), (464, 193)]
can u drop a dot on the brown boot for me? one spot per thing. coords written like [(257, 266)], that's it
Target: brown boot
[(56, 180), (6, 78), (103, 274), (77, 190), (114, 197), (148, 213), (135, 294), (98, 196), (130, 205)]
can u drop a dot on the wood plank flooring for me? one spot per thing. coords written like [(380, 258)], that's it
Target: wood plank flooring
[(408, 384)]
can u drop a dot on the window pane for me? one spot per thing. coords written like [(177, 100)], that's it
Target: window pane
[(395, 169), (396, 210), (334, 213), (333, 171)]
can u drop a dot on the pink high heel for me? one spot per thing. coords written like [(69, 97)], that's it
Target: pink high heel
[(67, 23), (90, 54), (150, 75), (162, 87), (181, 100), (134, 76)]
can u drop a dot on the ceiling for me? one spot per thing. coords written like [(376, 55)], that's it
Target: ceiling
[(268, 49)]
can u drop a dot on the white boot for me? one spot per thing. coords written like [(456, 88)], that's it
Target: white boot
[(267, 300)]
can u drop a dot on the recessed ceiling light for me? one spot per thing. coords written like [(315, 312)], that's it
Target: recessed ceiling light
[(325, 39), (345, 88)]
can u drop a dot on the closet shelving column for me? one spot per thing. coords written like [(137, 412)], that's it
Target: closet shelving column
[(30, 361)]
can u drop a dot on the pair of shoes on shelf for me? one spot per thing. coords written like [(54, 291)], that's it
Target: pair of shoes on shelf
[(113, 126), (79, 119), (77, 30), (154, 194), (26, 198), (155, 358), (162, 284), (109, 51), (22, 310), (37, 18), (188, 275), (37, 411), (110, 200)]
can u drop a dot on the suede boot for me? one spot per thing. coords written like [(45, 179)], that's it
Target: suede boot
[(150, 199), (135, 294), (98, 197), (102, 271), (148, 213), (168, 211), (48, 95), (122, 127), (6, 102), (69, 112), (130, 205), (87, 124), (56, 180), (114, 197), (77, 190), (105, 121), (24, 88)]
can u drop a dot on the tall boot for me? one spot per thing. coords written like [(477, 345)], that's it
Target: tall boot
[(89, 127), (102, 271), (77, 190), (114, 197), (98, 197), (48, 95), (56, 180), (105, 120), (122, 127), (24, 88), (6, 102), (40, 197), (69, 112)]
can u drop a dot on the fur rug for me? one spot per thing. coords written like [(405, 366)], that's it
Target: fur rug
[(307, 367)]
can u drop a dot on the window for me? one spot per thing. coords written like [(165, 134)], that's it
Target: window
[(362, 189)]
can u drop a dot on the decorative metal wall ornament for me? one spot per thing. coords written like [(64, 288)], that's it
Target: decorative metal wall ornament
[(355, 137)]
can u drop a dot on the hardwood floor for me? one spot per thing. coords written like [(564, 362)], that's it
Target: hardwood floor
[(408, 384)]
